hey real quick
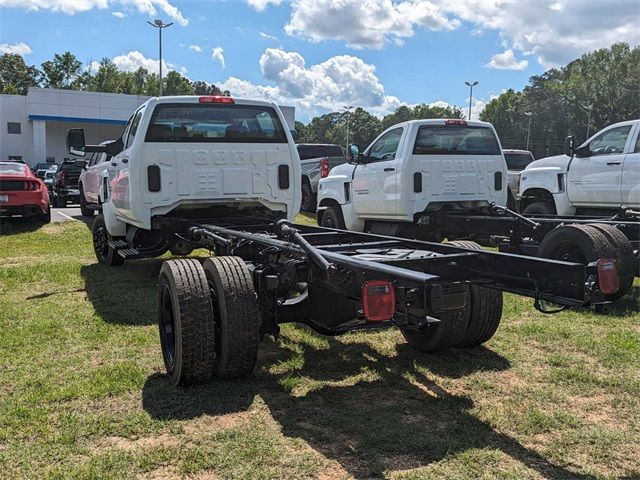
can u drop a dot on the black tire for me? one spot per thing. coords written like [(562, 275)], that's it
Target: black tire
[(237, 321), (186, 322), (511, 200), (85, 211), (105, 254), (45, 217), (539, 208), (308, 203), (332, 218), (577, 243), (626, 261), (484, 308), (441, 336)]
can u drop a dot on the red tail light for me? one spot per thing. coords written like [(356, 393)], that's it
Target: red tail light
[(462, 123), (378, 300), (324, 168), (608, 280), (216, 99), (62, 179)]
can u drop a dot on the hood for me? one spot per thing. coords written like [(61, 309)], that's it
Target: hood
[(557, 161), (343, 169)]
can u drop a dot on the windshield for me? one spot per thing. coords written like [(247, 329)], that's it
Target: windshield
[(455, 140), (518, 161), (12, 168), (215, 124), (315, 151)]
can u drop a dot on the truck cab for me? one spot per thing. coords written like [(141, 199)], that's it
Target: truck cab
[(601, 176), (194, 157), (414, 168)]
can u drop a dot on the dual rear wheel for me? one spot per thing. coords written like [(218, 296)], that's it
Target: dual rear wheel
[(208, 319)]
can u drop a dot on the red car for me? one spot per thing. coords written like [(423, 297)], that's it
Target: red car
[(22, 193)]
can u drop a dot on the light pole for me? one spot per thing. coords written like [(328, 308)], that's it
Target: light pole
[(348, 109), (159, 24), (528, 114), (470, 85)]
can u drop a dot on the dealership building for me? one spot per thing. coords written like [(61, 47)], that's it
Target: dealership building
[(34, 126)]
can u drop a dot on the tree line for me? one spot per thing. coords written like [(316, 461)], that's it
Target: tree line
[(65, 71), (598, 89)]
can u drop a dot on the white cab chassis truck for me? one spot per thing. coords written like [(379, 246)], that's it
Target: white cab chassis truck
[(600, 177), (437, 179), (216, 173)]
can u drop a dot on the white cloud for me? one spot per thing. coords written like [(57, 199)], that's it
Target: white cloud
[(364, 24), (556, 32), (17, 49), (195, 48), (118, 14), (217, 53), (507, 61), (267, 36), (260, 5), (71, 7), (314, 89), (133, 60)]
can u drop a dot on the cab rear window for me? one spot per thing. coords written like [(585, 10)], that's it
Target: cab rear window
[(455, 140), (215, 123)]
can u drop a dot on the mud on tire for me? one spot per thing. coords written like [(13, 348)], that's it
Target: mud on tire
[(186, 322)]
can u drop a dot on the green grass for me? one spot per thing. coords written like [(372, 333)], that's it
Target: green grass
[(83, 393)]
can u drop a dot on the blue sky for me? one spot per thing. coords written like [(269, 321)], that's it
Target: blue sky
[(322, 54)]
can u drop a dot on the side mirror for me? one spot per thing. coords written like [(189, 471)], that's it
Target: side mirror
[(568, 146), (81, 164), (75, 142), (354, 153)]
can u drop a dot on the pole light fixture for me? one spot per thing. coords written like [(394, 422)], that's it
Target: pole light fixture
[(348, 109), (470, 85), (159, 24), (530, 115)]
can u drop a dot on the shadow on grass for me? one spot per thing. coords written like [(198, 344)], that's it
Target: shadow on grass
[(370, 412), (124, 295), (16, 225), (627, 305)]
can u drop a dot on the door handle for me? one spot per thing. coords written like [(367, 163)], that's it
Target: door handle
[(389, 169), (614, 163), (114, 164)]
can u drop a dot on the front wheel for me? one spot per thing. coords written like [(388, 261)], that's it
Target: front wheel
[(84, 209), (105, 254), (332, 218), (539, 208), (308, 203)]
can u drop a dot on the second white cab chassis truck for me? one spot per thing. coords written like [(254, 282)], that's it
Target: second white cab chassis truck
[(221, 173), (447, 179)]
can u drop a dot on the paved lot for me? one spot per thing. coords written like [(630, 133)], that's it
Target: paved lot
[(67, 214)]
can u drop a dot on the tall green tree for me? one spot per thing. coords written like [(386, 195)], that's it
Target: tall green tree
[(15, 75), (204, 88), (176, 84), (62, 71), (107, 78)]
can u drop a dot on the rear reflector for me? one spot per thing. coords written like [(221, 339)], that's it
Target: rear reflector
[(216, 99), (378, 300), (324, 168), (462, 123), (608, 276)]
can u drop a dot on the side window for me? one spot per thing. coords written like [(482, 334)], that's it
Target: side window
[(637, 149), (611, 141), (134, 127), (125, 130), (92, 160), (386, 147)]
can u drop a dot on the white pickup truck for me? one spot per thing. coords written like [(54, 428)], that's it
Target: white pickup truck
[(411, 169), (197, 157), (601, 176)]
